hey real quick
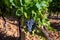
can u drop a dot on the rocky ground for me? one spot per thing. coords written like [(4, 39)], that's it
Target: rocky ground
[(9, 29)]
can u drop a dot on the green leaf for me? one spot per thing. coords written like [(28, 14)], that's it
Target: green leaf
[(11, 1), (7, 2), (28, 1), (25, 14), (43, 4), (18, 12), (17, 3), (38, 6)]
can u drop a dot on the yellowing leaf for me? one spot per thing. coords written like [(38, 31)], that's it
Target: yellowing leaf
[(25, 14)]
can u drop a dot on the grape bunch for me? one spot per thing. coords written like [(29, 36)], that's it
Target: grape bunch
[(29, 24)]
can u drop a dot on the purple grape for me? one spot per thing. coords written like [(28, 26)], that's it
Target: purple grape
[(30, 24)]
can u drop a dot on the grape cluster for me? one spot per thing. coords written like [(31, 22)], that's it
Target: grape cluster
[(29, 24)]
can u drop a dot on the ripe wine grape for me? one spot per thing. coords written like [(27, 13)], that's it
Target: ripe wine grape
[(30, 24)]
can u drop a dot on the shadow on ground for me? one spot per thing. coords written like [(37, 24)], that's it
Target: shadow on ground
[(56, 26), (55, 21), (4, 37)]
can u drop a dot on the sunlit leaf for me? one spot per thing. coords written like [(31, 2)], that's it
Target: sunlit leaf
[(38, 6), (25, 14)]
